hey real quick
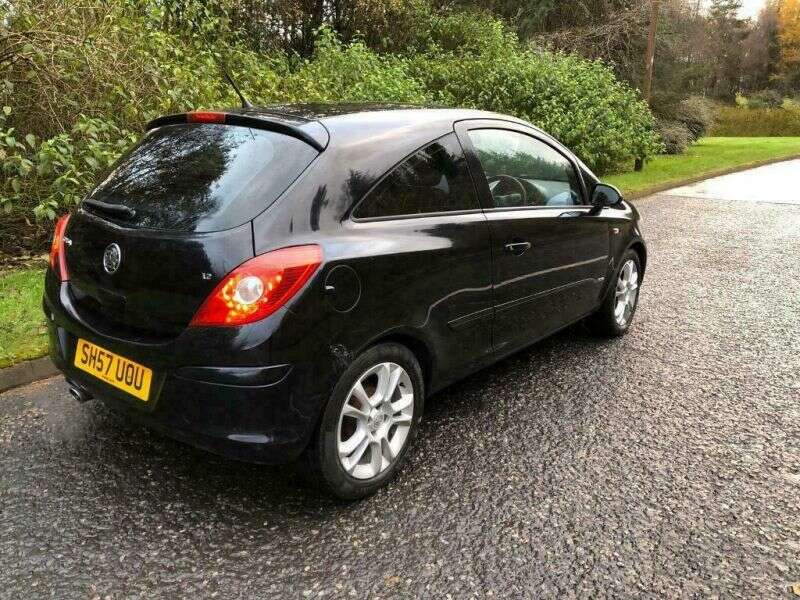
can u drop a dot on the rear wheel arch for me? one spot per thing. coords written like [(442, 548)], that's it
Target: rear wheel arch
[(418, 347), (321, 464)]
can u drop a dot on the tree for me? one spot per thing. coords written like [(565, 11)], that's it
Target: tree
[(760, 63), (292, 25), (789, 36), (726, 33)]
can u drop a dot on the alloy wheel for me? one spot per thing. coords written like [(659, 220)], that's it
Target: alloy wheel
[(375, 420), (627, 293)]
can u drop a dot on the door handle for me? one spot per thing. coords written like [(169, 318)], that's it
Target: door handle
[(517, 247)]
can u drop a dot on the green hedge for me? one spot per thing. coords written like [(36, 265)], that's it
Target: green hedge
[(757, 122), (578, 102)]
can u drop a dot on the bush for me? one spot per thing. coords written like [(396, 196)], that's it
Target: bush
[(756, 122), (697, 114), (59, 170), (463, 34), (351, 72), (674, 135), (664, 104), (765, 99), (580, 102), (74, 100)]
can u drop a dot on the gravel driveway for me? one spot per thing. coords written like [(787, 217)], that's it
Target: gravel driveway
[(665, 463)]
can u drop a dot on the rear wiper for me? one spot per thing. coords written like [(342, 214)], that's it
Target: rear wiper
[(116, 210)]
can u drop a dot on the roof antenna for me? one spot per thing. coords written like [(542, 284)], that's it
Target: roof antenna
[(245, 102), (229, 79), (226, 74)]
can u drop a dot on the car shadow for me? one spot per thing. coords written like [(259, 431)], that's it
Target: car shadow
[(541, 359), (134, 465)]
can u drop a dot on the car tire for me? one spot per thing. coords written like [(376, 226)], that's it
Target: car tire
[(607, 321), (348, 477)]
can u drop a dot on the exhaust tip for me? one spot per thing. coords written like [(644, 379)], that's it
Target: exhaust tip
[(79, 394)]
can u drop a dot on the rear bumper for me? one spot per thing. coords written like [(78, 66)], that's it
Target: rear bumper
[(263, 414), (247, 423)]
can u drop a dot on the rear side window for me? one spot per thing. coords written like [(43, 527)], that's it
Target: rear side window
[(433, 180), (203, 177)]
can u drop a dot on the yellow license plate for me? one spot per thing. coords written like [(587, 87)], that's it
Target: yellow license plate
[(116, 370)]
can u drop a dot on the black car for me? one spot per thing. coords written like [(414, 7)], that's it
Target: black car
[(292, 282)]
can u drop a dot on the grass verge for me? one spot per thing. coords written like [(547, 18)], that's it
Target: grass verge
[(23, 335), (708, 157)]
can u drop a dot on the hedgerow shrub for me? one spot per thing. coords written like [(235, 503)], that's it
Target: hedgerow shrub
[(580, 102), (697, 114), (756, 122), (75, 99), (674, 135), (765, 99), (60, 169), (350, 72)]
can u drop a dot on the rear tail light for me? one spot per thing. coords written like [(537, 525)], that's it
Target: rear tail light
[(58, 260), (257, 288)]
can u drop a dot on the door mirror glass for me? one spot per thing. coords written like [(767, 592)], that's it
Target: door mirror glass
[(605, 195)]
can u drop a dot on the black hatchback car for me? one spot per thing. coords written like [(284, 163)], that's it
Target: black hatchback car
[(292, 282)]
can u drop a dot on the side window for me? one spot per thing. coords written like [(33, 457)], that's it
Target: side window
[(435, 179), (522, 171)]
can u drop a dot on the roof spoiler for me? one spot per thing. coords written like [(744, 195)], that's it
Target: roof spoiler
[(312, 133)]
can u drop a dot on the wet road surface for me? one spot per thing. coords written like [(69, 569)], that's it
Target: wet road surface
[(778, 183), (665, 463)]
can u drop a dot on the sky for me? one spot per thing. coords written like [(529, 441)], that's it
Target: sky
[(751, 8)]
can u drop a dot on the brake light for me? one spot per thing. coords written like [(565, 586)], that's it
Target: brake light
[(257, 288), (58, 260), (205, 117)]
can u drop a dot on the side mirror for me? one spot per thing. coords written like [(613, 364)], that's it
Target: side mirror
[(605, 195)]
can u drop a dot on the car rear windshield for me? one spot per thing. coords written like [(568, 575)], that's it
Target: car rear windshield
[(201, 177)]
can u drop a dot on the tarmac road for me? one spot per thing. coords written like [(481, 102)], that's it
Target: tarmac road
[(665, 463)]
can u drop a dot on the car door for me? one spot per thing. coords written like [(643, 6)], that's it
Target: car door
[(550, 252)]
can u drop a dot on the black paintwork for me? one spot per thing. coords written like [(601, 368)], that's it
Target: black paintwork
[(311, 132), (443, 284)]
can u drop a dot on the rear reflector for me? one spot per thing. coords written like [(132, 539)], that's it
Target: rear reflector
[(58, 260), (257, 288), (205, 117)]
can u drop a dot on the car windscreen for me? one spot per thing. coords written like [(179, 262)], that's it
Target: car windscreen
[(201, 177)]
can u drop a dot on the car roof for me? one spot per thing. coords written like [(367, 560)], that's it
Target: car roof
[(319, 111), (327, 111), (387, 116)]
